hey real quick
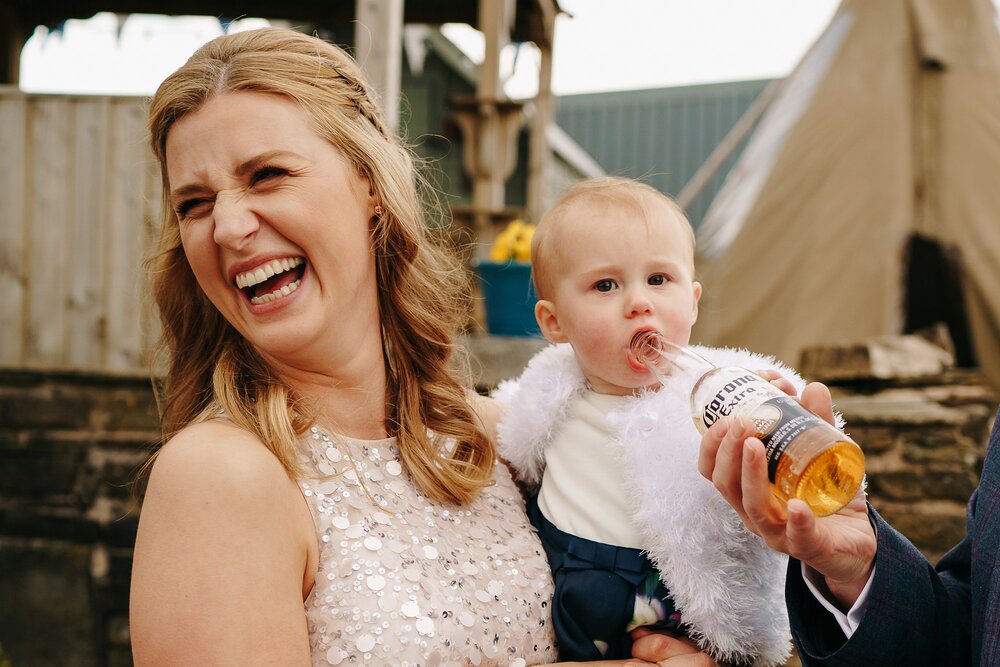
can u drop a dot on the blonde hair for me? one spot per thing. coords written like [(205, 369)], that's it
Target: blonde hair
[(625, 192), (421, 287)]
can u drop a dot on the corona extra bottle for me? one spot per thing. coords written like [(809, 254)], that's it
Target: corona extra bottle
[(807, 458)]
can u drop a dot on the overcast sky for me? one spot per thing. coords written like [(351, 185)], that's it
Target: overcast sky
[(651, 43), (603, 46)]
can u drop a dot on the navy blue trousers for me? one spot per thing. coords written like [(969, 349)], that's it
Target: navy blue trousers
[(597, 586)]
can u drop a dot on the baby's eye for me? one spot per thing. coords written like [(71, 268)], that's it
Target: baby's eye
[(605, 285), (658, 279)]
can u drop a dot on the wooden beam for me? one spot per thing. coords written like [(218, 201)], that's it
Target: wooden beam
[(379, 43)]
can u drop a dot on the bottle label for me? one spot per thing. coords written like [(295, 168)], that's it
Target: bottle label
[(779, 421), (778, 418), (733, 391)]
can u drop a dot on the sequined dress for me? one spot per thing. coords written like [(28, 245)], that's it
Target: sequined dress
[(406, 581)]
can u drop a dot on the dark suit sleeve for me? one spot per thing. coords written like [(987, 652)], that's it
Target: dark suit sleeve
[(916, 614)]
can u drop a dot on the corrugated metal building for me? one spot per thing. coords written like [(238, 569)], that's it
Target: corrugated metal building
[(660, 136)]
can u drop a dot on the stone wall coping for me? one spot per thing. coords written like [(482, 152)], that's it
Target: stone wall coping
[(491, 359)]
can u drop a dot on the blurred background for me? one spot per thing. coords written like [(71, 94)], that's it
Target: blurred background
[(835, 158)]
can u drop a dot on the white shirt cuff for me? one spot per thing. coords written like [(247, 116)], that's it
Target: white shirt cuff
[(850, 621)]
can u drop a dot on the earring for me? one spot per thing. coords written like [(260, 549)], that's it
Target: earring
[(378, 210)]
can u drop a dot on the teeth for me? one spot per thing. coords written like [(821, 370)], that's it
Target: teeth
[(276, 294), (262, 273)]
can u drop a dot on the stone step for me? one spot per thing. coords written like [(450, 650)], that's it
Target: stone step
[(897, 356), (75, 400)]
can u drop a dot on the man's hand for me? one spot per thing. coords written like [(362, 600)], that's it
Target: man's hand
[(841, 547)]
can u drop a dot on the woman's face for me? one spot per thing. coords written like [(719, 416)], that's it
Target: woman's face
[(275, 225)]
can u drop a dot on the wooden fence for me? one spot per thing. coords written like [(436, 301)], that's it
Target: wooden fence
[(79, 204), (79, 208)]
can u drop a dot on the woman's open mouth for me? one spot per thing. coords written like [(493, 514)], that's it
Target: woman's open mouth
[(272, 280)]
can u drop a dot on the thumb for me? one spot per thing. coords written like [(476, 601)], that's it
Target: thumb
[(801, 530)]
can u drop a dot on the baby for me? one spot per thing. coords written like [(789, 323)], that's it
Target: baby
[(634, 535)]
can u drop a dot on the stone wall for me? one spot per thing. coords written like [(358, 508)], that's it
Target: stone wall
[(922, 423), (924, 442), (70, 444)]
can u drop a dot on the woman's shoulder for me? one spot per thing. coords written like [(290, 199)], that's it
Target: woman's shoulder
[(218, 511), (216, 479), (217, 455)]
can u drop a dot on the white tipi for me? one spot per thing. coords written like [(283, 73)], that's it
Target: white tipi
[(867, 201)]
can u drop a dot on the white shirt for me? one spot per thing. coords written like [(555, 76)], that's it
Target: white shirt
[(850, 621), (582, 490)]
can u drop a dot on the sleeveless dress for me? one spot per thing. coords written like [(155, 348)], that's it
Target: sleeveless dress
[(407, 581)]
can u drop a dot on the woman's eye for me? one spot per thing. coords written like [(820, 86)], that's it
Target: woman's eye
[(266, 173), (658, 279), (605, 285), (193, 208)]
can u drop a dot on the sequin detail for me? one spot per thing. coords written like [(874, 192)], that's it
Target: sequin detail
[(403, 580)]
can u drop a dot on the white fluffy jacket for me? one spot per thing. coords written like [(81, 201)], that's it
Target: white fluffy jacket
[(728, 585)]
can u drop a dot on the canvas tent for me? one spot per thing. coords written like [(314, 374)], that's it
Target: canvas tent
[(867, 201)]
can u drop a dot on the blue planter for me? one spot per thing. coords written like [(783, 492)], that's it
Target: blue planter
[(510, 297)]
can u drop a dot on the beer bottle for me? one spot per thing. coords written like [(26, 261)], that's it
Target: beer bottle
[(807, 458)]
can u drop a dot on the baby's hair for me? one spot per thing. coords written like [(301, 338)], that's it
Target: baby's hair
[(625, 192)]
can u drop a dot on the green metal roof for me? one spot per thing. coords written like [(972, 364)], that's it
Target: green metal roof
[(660, 136)]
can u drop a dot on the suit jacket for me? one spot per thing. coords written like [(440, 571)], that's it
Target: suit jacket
[(918, 614)]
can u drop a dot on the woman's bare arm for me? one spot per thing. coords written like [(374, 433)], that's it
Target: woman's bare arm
[(224, 555), (490, 412)]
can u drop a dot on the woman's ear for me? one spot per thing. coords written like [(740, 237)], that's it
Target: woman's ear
[(548, 322), (375, 207)]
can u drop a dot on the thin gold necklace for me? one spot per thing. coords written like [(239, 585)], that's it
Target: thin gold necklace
[(341, 444)]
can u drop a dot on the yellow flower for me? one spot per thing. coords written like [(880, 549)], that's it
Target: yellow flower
[(513, 243)]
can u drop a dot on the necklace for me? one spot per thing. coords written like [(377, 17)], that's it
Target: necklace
[(360, 477), (339, 445)]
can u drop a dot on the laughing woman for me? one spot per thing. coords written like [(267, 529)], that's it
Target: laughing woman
[(327, 493)]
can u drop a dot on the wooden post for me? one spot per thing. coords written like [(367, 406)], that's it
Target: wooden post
[(14, 266), (538, 144), (494, 122), (495, 19), (13, 37), (379, 43)]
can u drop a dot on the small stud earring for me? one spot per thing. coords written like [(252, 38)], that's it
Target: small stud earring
[(378, 210)]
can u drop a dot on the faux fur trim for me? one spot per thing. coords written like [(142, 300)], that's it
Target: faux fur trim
[(727, 583), (532, 423)]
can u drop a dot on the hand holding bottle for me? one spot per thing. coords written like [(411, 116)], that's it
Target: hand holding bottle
[(776, 461), (807, 458), (841, 547)]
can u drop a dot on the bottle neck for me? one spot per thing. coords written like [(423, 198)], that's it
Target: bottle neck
[(669, 362)]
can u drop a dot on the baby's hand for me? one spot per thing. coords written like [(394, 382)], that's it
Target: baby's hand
[(666, 650), (779, 381), (816, 396)]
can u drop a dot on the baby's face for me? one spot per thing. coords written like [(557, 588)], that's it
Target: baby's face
[(615, 274)]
